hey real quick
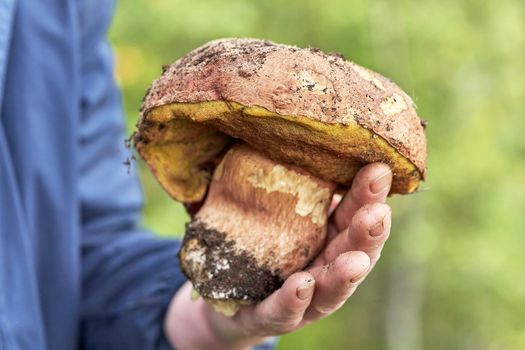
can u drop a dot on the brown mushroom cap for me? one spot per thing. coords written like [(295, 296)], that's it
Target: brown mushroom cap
[(298, 106)]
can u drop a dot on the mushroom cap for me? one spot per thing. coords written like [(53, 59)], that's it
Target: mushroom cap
[(298, 106)]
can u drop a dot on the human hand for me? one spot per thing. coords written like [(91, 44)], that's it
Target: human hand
[(357, 231)]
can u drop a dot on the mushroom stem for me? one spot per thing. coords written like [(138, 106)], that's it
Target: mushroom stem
[(261, 222)]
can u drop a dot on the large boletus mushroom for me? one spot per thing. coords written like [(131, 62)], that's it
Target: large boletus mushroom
[(263, 134)]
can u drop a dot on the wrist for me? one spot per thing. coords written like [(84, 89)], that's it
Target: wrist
[(194, 325), (229, 332)]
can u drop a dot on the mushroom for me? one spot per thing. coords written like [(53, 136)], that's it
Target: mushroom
[(262, 135)]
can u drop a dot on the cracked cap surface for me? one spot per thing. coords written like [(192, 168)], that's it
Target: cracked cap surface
[(298, 106)]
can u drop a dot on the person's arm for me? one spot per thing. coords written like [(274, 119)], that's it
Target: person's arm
[(357, 231), (128, 275)]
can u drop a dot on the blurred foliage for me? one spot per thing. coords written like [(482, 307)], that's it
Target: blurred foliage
[(451, 276)]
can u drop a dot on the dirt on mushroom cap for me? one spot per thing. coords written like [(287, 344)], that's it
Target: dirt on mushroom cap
[(299, 106)]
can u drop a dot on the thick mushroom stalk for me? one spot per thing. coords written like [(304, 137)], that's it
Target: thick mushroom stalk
[(261, 222), (323, 116)]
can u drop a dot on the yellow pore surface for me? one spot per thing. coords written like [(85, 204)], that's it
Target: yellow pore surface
[(178, 141)]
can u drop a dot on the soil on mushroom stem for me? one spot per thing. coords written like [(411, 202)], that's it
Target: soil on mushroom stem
[(235, 274)]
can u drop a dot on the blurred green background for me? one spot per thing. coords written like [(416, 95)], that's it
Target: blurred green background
[(452, 274)]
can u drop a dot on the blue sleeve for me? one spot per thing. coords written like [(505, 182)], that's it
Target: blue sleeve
[(129, 275)]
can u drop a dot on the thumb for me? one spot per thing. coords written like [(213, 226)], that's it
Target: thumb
[(283, 310)]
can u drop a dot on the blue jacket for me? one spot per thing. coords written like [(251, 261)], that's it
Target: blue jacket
[(76, 270)]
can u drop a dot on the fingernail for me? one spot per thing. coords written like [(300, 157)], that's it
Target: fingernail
[(377, 229), (381, 183), (359, 277), (306, 290)]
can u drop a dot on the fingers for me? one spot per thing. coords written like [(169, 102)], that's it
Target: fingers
[(335, 283), (283, 310), (368, 231), (371, 184)]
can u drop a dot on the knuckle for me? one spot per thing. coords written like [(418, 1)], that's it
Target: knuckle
[(323, 311), (283, 324), (289, 307), (329, 308)]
